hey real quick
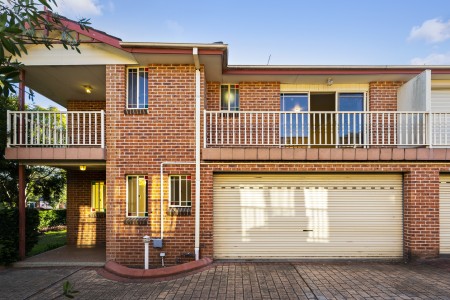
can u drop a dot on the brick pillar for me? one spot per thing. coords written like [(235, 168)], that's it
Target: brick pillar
[(421, 213)]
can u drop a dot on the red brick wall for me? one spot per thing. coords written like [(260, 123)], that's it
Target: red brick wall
[(383, 95), (213, 96), (259, 96), (81, 124), (421, 198), (85, 105), (137, 144), (421, 213), (82, 228), (253, 96)]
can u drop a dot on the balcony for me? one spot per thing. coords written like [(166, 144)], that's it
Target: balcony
[(310, 133), (62, 135)]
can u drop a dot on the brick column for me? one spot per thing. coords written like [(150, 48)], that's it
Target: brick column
[(421, 213)]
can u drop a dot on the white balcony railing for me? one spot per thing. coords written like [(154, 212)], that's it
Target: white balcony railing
[(56, 129), (335, 129)]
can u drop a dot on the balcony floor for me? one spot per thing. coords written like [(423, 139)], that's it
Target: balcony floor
[(55, 154), (325, 154)]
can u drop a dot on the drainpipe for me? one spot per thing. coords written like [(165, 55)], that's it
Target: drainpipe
[(197, 153)]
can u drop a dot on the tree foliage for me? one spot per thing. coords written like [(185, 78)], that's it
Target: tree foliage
[(42, 182), (25, 22)]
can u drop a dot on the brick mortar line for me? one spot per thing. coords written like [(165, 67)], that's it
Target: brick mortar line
[(52, 284), (312, 291)]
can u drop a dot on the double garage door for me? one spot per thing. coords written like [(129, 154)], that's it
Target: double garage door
[(291, 216)]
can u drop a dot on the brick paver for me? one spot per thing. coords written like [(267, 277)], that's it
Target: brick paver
[(242, 281)]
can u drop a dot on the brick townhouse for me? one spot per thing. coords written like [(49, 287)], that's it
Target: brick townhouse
[(240, 162)]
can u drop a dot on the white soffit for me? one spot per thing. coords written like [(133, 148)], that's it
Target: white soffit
[(63, 83), (91, 54)]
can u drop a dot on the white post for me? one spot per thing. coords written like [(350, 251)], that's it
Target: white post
[(146, 242), (8, 129), (102, 128)]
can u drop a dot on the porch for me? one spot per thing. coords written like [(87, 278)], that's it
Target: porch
[(69, 255)]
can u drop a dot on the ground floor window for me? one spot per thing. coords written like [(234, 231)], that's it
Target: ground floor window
[(180, 191), (137, 196), (98, 193)]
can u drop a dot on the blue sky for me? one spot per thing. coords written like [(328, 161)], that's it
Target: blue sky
[(320, 32)]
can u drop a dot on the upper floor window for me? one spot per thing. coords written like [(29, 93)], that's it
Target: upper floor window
[(229, 97), (137, 196), (180, 191), (137, 88), (98, 193)]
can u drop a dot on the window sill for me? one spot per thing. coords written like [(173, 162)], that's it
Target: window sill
[(179, 211), (136, 111), (136, 221), (97, 214)]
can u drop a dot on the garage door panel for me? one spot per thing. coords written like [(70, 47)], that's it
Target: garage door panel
[(444, 214), (263, 216)]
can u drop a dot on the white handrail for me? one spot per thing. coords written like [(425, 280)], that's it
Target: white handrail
[(56, 128), (335, 129)]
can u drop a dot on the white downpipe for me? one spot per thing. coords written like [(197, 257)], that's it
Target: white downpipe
[(161, 190), (197, 153)]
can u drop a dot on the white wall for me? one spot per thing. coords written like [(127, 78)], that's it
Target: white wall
[(415, 95)]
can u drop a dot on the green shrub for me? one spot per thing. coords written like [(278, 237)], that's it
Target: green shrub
[(52, 218), (9, 235)]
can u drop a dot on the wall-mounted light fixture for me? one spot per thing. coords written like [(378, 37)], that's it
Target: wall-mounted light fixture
[(87, 89), (329, 81), (82, 168)]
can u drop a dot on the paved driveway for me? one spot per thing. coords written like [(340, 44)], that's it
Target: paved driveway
[(243, 281)]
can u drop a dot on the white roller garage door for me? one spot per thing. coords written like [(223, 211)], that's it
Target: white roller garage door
[(444, 214), (307, 216), (440, 103)]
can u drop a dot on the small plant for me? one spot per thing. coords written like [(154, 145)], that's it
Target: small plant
[(68, 290)]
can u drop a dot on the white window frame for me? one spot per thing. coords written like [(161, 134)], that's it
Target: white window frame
[(101, 190), (237, 87), (137, 88), (187, 178), (137, 200)]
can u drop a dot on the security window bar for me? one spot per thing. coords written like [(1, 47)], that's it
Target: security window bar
[(180, 191), (98, 193), (137, 83), (229, 97), (137, 196)]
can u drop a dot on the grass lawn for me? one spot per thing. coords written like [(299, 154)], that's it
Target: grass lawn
[(48, 241)]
